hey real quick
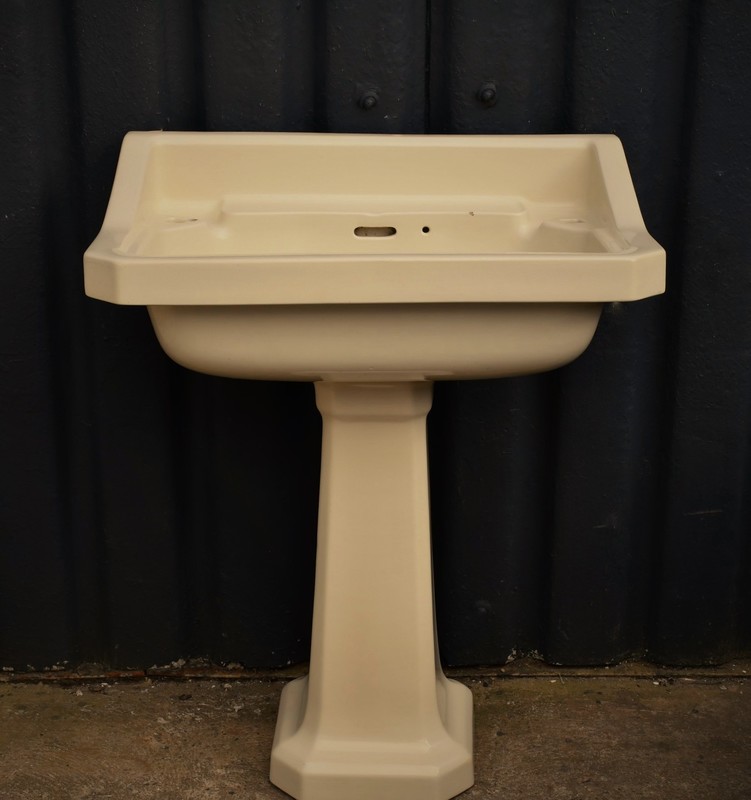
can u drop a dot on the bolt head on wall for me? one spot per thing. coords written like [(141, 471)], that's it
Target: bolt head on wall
[(487, 94), (368, 99)]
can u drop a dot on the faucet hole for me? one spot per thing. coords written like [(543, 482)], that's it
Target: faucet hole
[(425, 229), (375, 230)]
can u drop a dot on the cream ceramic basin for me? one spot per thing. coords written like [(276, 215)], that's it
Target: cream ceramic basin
[(372, 265), (372, 257)]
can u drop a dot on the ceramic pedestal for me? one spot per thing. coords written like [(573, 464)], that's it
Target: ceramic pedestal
[(376, 718)]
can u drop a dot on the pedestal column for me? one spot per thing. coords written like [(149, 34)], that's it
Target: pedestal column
[(375, 718)]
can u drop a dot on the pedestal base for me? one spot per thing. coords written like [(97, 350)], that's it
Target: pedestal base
[(315, 768)]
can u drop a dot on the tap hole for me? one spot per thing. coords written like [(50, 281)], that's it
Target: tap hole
[(375, 230), (425, 229)]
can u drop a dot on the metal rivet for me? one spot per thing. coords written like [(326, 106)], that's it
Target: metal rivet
[(487, 94), (368, 99)]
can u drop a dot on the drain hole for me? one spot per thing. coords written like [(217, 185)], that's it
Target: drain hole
[(425, 229), (374, 230)]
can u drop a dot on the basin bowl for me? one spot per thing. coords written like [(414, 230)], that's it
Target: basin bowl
[(388, 342), (371, 257)]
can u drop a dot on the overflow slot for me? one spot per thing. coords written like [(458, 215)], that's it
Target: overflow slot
[(375, 230)]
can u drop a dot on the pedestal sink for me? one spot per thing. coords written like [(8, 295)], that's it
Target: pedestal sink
[(373, 265)]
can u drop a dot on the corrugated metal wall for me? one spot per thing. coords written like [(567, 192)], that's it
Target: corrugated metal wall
[(592, 514)]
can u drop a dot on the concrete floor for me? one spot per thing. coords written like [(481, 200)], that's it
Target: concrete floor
[(540, 734)]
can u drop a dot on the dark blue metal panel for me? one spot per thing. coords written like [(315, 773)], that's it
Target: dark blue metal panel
[(254, 448), (492, 475), (259, 64), (498, 67), (36, 610), (702, 586), (626, 75), (249, 554), (372, 60), (592, 514), (133, 70), (491, 490)]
